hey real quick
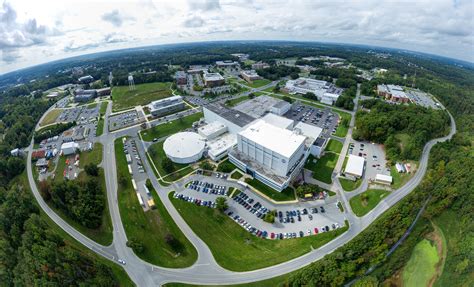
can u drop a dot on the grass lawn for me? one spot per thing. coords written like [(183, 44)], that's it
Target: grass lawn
[(286, 195), (60, 167), (143, 94), (117, 270), (168, 128), (226, 166), (361, 207), (103, 108), (100, 127), (341, 130), (422, 265), (334, 146), (94, 156), (236, 249), (258, 83), (323, 168), (349, 185), (236, 101), (236, 175), (157, 155), (279, 281), (149, 228), (399, 179), (50, 117)]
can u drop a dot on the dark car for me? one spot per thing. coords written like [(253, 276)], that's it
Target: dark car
[(301, 233)]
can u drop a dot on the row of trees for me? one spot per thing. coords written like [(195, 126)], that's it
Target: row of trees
[(276, 72)]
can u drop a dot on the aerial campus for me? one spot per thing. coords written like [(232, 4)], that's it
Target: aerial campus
[(243, 163)]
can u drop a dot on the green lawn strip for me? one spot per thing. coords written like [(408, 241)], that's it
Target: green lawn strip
[(236, 101), (236, 249), (94, 156), (422, 264), (361, 207), (323, 168), (51, 117), (258, 83), (166, 129), (157, 155), (124, 98), (100, 127), (147, 228), (236, 175), (341, 130), (349, 185), (60, 167), (103, 108), (334, 146), (286, 195)]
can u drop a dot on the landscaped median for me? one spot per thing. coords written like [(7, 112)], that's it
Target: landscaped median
[(362, 203), (236, 249), (288, 194), (323, 168), (153, 234)]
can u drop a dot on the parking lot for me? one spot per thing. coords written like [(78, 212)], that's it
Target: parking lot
[(323, 118), (126, 119), (248, 210), (136, 169), (374, 156)]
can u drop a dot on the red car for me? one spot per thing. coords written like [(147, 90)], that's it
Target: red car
[(272, 235), (316, 230)]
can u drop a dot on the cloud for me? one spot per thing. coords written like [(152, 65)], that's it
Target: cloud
[(204, 5), (115, 18), (10, 56), (193, 22)]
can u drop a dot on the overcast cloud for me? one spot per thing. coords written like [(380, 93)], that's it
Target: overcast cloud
[(33, 32)]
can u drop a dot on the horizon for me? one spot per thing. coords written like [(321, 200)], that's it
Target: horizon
[(38, 33)]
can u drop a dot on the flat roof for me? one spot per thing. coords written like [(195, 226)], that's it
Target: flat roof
[(383, 177), (184, 145), (319, 142), (309, 131), (222, 143), (233, 116), (213, 77), (211, 128), (355, 165), (258, 106), (279, 140), (278, 121)]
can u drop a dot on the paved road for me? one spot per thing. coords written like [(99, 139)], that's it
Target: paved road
[(206, 270)]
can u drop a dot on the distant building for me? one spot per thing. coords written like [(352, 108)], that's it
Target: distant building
[(250, 75), (52, 95), (166, 106), (181, 78), (103, 92), (393, 93), (260, 65), (16, 152), (86, 79), (213, 80), (383, 179), (326, 92), (241, 57), (81, 95), (228, 65), (69, 148)]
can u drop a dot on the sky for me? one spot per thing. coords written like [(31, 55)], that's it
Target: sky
[(39, 31)]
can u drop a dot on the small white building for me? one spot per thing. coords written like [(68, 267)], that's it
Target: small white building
[(355, 166), (383, 179), (15, 152), (280, 108), (69, 148)]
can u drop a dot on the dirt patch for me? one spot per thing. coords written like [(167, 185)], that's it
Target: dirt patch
[(394, 281)]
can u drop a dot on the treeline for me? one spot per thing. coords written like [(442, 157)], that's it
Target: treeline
[(52, 131), (162, 75), (385, 121), (32, 254), (276, 72), (449, 182), (81, 200)]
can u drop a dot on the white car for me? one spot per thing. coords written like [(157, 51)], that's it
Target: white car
[(121, 261)]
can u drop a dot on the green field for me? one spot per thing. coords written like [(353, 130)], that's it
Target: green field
[(143, 94), (258, 83), (103, 108), (236, 249), (100, 127), (236, 101), (286, 195), (169, 128), (323, 168), (341, 130), (157, 154), (236, 175), (149, 228), (334, 146), (361, 206), (51, 117), (94, 156), (422, 265), (349, 185)]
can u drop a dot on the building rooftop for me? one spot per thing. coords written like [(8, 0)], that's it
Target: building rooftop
[(233, 116), (278, 121), (279, 140), (164, 102), (355, 165), (213, 77), (258, 106), (221, 144), (309, 131), (319, 142), (211, 128)]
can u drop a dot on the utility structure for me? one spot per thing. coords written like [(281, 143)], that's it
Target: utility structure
[(131, 83), (111, 77)]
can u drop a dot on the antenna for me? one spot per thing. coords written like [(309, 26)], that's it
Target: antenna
[(131, 83)]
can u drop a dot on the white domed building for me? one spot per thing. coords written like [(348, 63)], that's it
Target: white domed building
[(184, 147)]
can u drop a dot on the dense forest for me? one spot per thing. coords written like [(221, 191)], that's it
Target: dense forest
[(276, 72), (384, 121)]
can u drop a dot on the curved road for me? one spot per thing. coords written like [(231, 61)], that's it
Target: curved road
[(206, 270)]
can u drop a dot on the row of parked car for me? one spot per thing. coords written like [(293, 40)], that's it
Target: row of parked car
[(248, 227), (206, 187), (197, 201), (249, 203)]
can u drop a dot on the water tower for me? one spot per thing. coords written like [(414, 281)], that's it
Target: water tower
[(131, 84)]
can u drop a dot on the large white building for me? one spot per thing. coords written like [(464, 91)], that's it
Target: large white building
[(184, 147), (326, 92), (166, 106), (212, 130), (354, 167), (69, 148)]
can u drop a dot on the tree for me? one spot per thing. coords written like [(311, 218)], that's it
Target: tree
[(367, 281), (251, 95), (270, 216), (174, 243), (167, 165), (91, 169), (221, 203), (287, 99), (205, 165), (135, 245)]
